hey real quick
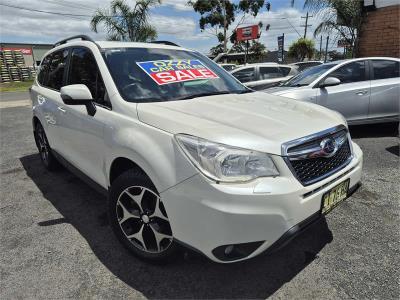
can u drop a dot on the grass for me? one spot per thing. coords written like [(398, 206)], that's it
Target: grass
[(15, 86)]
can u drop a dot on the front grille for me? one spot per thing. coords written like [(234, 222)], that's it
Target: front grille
[(309, 170)]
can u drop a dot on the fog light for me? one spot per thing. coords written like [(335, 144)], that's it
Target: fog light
[(228, 250)]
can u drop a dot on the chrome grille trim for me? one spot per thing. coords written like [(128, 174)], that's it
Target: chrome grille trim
[(293, 159)]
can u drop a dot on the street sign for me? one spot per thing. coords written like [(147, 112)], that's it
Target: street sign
[(281, 54), (247, 33)]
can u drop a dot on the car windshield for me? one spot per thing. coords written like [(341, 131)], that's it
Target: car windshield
[(308, 75), (155, 74)]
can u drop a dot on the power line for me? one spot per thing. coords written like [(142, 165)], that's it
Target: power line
[(306, 25), (69, 4), (44, 11)]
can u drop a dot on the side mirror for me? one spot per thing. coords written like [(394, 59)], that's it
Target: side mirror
[(78, 94), (330, 81)]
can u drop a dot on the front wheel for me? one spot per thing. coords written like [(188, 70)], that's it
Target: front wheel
[(139, 219), (45, 152)]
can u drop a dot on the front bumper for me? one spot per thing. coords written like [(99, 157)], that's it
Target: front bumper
[(208, 216)]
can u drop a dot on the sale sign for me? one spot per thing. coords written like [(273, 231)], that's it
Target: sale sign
[(247, 33), (172, 71)]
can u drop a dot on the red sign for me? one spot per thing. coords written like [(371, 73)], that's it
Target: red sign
[(247, 33), (172, 71), (24, 51)]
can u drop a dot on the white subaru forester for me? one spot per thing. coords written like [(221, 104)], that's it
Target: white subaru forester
[(185, 152)]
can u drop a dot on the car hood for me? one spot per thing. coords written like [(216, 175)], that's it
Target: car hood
[(257, 121)]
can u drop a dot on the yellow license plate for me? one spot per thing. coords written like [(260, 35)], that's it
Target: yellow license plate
[(334, 196)]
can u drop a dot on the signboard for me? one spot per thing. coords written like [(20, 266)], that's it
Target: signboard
[(24, 51), (247, 33), (281, 53), (173, 71)]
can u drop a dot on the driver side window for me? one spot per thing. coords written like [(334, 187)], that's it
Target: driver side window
[(352, 72), (83, 70)]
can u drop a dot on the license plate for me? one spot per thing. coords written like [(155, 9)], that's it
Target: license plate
[(334, 196)]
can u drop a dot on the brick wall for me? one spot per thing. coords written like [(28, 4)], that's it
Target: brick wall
[(380, 34)]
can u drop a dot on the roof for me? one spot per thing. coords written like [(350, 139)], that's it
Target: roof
[(111, 44)]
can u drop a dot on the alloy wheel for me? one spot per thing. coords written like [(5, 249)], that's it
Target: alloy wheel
[(143, 220)]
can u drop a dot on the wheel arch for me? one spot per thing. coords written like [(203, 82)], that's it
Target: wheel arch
[(122, 164)]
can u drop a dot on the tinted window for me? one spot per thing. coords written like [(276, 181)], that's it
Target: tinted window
[(352, 72), (56, 69), (245, 75), (270, 72), (44, 70), (385, 69), (285, 71), (83, 70)]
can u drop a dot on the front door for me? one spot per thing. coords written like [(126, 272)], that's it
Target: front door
[(82, 134), (351, 97)]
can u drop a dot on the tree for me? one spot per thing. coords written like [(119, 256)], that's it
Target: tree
[(125, 23), (301, 49), (341, 17), (218, 15)]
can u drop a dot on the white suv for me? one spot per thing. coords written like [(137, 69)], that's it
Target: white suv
[(186, 153)]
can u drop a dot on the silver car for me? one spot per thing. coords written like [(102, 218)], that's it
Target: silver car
[(264, 75), (364, 90)]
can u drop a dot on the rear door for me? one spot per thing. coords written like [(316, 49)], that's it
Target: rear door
[(46, 97), (385, 85), (351, 97)]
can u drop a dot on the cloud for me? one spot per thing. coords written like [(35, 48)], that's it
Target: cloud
[(177, 4)]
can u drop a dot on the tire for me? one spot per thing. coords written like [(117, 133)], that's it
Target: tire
[(45, 152), (138, 218)]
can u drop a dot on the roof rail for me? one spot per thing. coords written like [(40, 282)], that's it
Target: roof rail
[(80, 36), (165, 43)]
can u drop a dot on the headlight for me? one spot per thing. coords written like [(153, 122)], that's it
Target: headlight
[(224, 163)]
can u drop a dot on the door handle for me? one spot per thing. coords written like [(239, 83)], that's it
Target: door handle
[(360, 93), (60, 108)]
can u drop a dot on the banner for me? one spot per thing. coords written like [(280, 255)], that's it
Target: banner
[(172, 71)]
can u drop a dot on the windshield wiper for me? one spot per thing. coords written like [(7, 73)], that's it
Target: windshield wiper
[(191, 96)]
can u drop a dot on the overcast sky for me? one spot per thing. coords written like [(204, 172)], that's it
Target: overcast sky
[(174, 20)]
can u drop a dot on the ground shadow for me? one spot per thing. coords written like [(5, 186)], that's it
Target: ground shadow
[(190, 276), (374, 130)]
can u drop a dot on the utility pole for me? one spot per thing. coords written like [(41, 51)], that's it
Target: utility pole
[(320, 48), (326, 48), (306, 25)]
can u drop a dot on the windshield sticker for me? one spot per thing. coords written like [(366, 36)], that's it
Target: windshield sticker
[(172, 71)]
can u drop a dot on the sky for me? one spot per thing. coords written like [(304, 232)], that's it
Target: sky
[(174, 20)]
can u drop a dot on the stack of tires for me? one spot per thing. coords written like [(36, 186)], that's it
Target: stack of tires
[(4, 74), (15, 75)]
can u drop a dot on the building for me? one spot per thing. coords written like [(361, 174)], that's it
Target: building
[(380, 33), (32, 53)]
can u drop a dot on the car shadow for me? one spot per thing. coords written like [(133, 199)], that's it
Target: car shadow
[(374, 130), (190, 275)]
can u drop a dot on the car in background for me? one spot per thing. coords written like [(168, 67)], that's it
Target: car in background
[(264, 75), (364, 90), (303, 65), (228, 67)]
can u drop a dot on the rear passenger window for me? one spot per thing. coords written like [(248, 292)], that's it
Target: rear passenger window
[(270, 72), (245, 75), (352, 72), (385, 69), (83, 70), (56, 69)]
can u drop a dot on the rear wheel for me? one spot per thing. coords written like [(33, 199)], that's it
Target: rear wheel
[(139, 219), (47, 157)]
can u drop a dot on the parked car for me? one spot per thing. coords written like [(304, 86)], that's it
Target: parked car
[(229, 67), (363, 90), (186, 154), (303, 65), (262, 76)]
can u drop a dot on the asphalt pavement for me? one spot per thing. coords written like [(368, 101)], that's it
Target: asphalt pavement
[(56, 243)]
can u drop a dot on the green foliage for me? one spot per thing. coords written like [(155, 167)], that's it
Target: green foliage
[(301, 49), (343, 18), (125, 23), (220, 14)]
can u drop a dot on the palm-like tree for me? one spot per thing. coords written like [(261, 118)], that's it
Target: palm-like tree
[(125, 23)]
